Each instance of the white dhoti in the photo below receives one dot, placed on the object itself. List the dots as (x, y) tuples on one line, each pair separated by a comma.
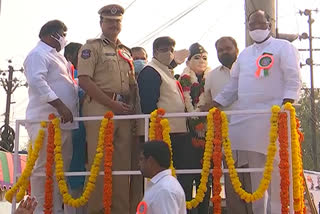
[(250, 134), (38, 183)]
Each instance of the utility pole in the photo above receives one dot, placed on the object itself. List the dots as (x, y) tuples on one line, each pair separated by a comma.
[(9, 84), (309, 61)]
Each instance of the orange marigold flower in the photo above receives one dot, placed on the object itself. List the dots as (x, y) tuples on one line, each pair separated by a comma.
[(108, 115), (161, 111), (199, 127), (51, 116)]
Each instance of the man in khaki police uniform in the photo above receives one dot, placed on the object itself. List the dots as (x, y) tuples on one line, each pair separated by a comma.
[(106, 74)]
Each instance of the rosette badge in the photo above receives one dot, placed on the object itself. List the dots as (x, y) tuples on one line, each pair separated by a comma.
[(264, 63)]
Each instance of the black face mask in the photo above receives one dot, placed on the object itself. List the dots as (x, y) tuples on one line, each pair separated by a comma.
[(227, 60)]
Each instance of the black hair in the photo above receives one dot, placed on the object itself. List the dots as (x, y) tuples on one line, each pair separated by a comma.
[(163, 41), (52, 27), (139, 49), (72, 48), (266, 15), (228, 38), (159, 150)]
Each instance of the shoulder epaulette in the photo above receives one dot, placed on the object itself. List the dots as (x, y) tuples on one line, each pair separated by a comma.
[(93, 40)]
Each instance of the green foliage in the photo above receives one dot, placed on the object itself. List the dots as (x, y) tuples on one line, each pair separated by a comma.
[(304, 115)]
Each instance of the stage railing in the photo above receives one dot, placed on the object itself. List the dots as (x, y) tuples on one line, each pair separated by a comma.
[(146, 128)]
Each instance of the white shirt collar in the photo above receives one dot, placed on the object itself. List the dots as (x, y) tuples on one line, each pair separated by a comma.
[(263, 44), (155, 179), (45, 46), (224, 68)]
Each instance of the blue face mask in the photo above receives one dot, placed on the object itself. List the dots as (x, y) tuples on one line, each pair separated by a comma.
[(138, 65)]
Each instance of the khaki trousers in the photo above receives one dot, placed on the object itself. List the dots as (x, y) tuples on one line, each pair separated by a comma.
[(121, 160)]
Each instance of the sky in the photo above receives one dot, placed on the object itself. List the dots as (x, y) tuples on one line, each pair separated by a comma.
[(143, 21)]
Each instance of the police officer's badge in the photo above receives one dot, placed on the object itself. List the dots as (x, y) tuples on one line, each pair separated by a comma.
[(86, 54), (113, 10)]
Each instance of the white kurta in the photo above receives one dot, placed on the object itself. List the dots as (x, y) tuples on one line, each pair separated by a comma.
[(251, 132), (216, 80)]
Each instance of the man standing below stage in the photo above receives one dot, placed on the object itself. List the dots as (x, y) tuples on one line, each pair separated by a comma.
[(252, 88), (164, 194), (51, 90), (106, 75)]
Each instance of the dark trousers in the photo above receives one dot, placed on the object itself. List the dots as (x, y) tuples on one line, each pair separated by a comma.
[(185, 156)]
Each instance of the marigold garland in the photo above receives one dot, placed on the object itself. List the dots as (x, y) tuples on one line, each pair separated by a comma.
[(297, 168), (94, 171), (216, 160), (23, 181), (155, 128), (166, 138), (265, 181), (284, 163), (208, 148), (107, 185), (155, 117), (48, 196), (193, 92)]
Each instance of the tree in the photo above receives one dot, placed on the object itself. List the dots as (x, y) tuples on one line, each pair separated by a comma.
[(304, 115)]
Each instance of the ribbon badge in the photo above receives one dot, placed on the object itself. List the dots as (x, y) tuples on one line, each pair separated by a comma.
[(127, 57), (142, 208), (264, 63)]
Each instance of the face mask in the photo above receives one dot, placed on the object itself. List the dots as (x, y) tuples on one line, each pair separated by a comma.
[(138, 65), (165, 57), (259, 35), (62, 41), (227, 60)]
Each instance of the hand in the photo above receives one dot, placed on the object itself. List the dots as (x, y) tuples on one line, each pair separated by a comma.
[(119, 107), (210, 105), (65, 113), (287, 100), (26, 206), (180, 56)]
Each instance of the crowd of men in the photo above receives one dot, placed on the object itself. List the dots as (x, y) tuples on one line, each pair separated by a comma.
[(105, 75)]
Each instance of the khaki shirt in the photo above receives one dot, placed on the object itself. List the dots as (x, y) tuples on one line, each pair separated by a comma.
[(101, 60)]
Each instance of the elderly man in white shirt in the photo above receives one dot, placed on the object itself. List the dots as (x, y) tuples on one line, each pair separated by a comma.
[(251, 89), (51, 90), (164, 194)]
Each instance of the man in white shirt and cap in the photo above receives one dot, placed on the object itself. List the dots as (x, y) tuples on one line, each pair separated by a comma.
[(51, 90), (164, 194), (254, 88)]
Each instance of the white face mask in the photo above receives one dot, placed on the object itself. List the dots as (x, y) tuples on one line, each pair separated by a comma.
[(259, 35), (62, 41)]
